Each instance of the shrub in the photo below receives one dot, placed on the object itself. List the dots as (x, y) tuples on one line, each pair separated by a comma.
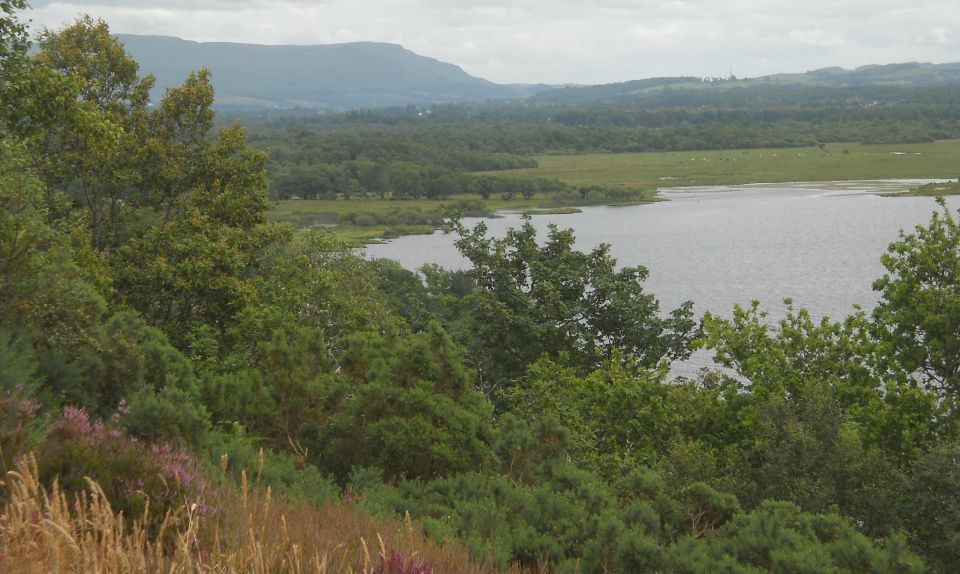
[(365, 220), (131, 474)]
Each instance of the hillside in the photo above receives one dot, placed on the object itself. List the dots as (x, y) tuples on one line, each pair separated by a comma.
[(377, 75), (700, 91), (335, 76)]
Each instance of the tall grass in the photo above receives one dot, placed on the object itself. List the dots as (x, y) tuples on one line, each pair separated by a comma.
[(45, 530)]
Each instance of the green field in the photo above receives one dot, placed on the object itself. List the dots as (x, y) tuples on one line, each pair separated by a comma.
[(835, 162)]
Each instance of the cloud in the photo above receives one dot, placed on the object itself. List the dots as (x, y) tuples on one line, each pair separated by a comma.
[(818, 38), (557, 41), (941, 36)]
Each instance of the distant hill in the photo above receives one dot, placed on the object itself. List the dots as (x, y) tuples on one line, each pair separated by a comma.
[(911, 74), (373, 75), (334, 76), (906, 74)]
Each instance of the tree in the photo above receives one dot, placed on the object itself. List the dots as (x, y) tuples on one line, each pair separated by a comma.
[(175, 156), (93, 154), (843, 358), (919, 311), (930, 507), (105, 74), (618, 415), (193, 266), (552, 299), (14, 39), (404, 404)]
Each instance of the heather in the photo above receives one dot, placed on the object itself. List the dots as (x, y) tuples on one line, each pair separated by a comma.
[(186, 385)]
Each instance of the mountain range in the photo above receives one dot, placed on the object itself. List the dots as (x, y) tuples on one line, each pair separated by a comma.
[(333, 76), (372, 74)]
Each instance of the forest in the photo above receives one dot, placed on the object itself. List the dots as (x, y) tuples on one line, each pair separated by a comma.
[(436, 158), (188, 386), (443, 150)]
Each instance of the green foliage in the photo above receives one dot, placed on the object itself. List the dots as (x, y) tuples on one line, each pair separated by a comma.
[(806, 452), (778, 537), (617, 416), (18, 365), (554, 300), (404, 404), (19, 387), (192, 268), (778, 358), (843, 359), (13, 34), (286, 473), (929, 506), (105, 75), (31, 248), (404, 293), (919, 310), (91, 153), (506, 521), (24, 231)]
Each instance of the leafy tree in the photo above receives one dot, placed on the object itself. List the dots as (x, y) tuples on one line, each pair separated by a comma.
[(193, 268), (14, 43), (12, 32), (842, 358), (44, 292), (93, 154), (106, 76), (919, 311), (25, 236), (617, 415), (804, 450), (552, 299)]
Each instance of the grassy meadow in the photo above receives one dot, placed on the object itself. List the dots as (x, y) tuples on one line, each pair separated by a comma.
[(848, 161), (651, 170)]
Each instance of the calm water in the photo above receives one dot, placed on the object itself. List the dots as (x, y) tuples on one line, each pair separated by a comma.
[(819, 244)]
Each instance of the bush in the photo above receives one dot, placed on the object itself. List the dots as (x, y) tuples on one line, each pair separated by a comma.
[(365, 220), (132, 474)]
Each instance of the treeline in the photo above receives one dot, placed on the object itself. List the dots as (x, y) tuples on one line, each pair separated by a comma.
[(387, 164), (437, 152), (159, 336)]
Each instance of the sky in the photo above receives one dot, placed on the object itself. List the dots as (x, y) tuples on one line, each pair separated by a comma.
[(565, 41)]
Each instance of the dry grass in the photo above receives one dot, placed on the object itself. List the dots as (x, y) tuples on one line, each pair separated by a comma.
[(46, 531)]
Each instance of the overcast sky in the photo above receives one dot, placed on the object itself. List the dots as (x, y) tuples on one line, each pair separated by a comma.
[(558, 41)]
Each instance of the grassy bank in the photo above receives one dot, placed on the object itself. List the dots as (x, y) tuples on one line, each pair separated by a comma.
[(362, 220), (935, 189), (359, 221)]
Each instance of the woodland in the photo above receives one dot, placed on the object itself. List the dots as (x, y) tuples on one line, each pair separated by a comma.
[(186, 385)]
